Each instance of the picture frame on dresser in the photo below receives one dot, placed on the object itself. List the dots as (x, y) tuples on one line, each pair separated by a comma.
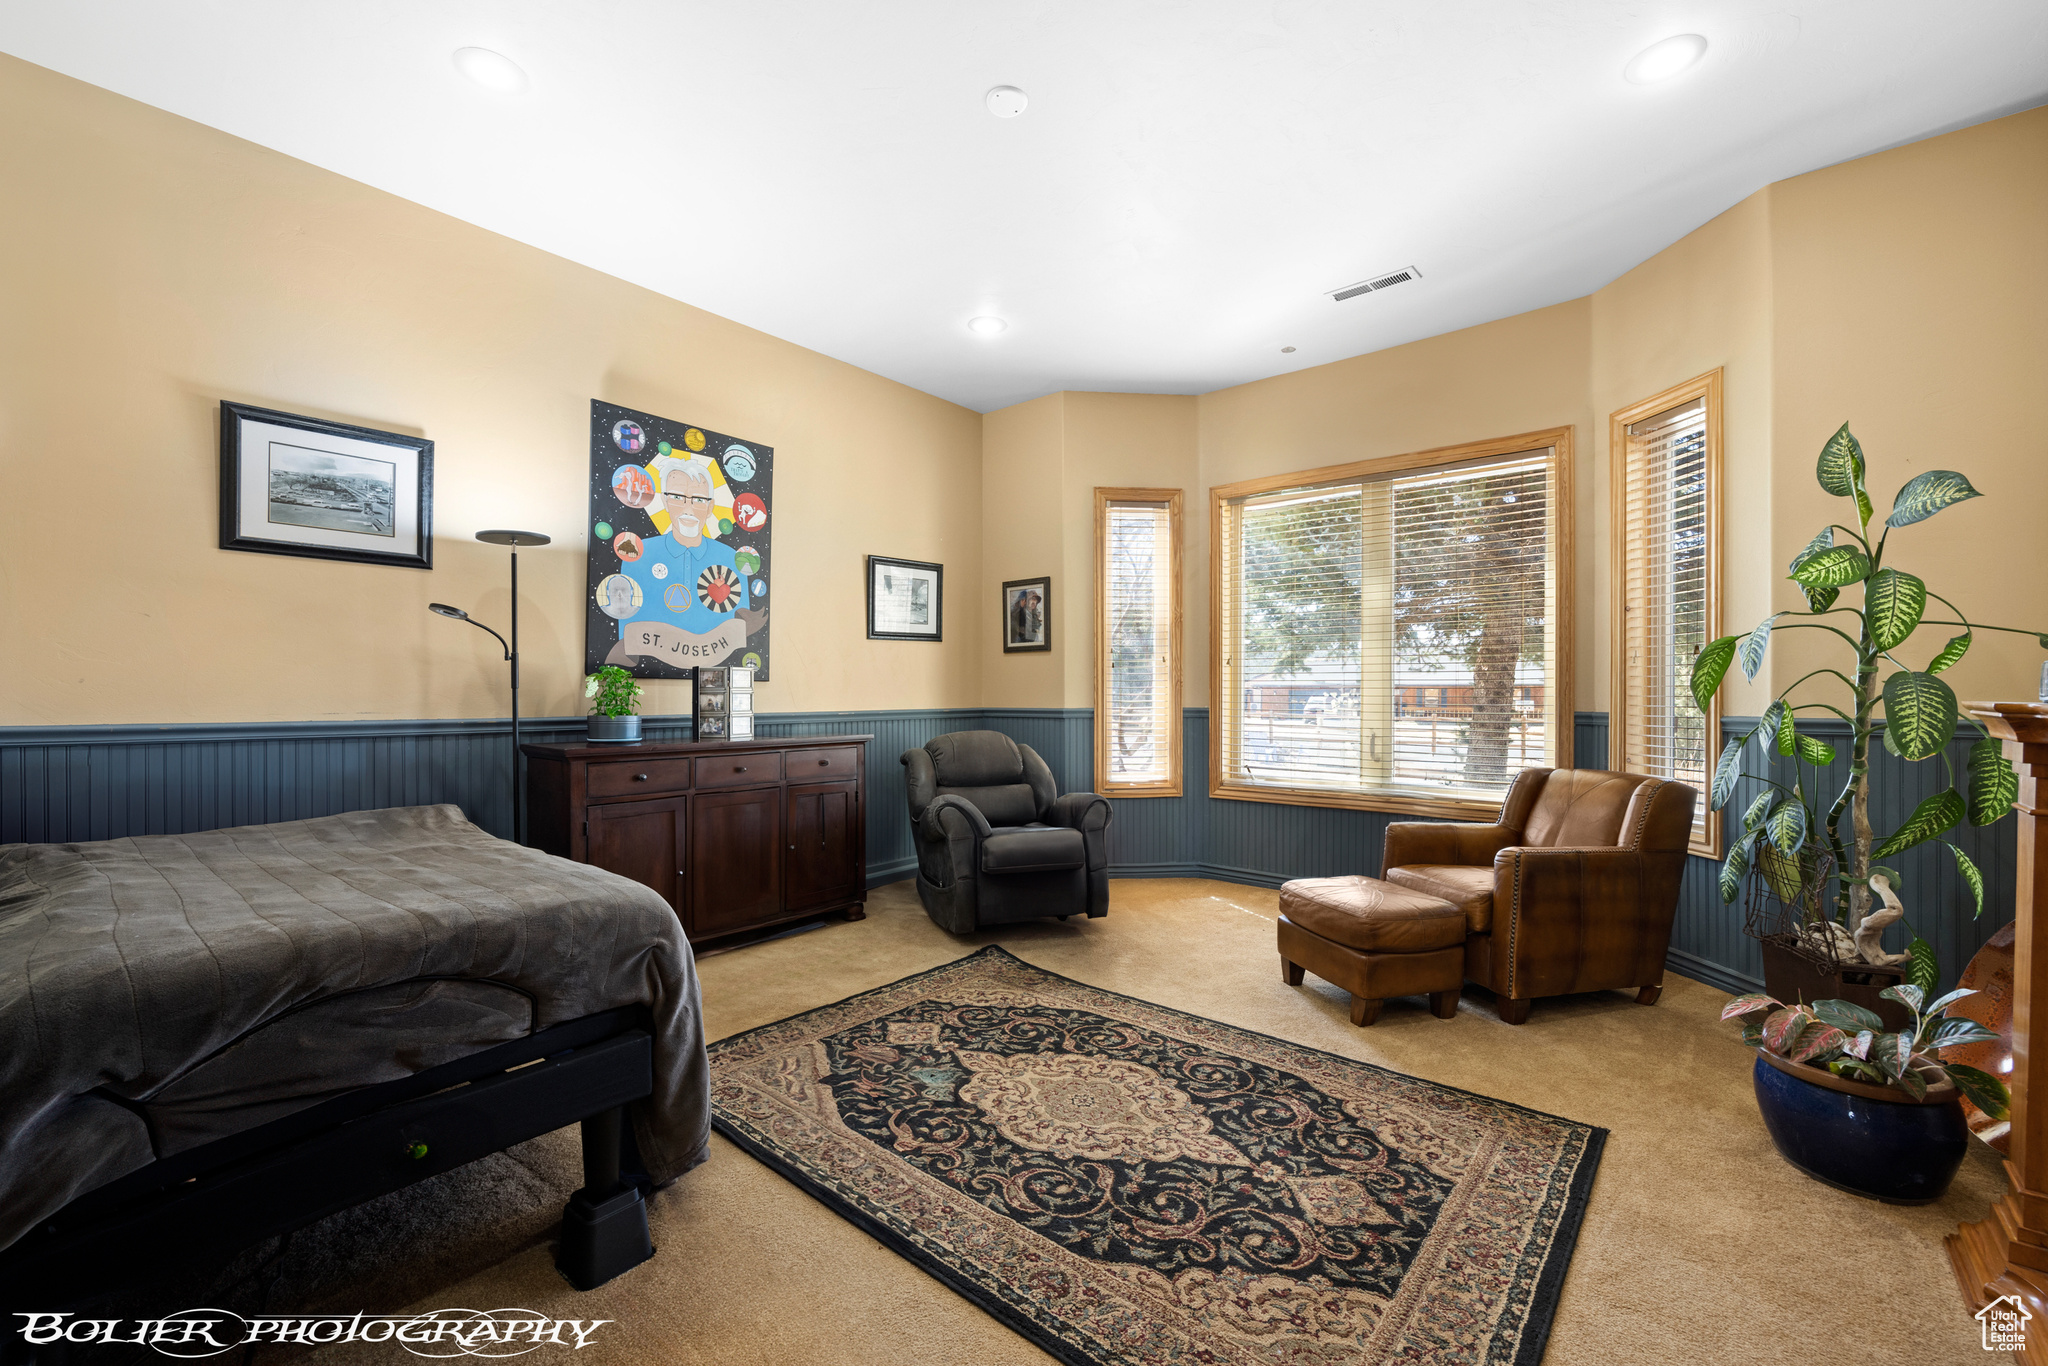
[(324, 490)]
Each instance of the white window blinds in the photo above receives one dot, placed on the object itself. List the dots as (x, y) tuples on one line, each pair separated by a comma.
[(1138, 709), (1390, 637), (1664, 599)]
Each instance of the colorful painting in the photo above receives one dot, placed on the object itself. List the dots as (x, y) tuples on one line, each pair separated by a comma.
[(672, 584)]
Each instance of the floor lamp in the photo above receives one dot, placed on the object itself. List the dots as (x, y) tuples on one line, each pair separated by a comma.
[(514, 539)]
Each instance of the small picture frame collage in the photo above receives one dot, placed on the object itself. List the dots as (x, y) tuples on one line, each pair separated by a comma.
[(725, 703)]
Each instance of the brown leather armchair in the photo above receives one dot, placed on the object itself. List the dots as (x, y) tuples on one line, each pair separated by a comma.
[(1572, 889)]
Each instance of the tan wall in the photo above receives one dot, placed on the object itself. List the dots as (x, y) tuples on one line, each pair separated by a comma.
[(1519, 374), (1700, 304), (150, 267), (1912, 303), (1023, 470)]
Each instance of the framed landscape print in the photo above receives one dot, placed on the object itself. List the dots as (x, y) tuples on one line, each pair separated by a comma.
[(292, 485), (1027, 615), (906, 599), (680, 550)]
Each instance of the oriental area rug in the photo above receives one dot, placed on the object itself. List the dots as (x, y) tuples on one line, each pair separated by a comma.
[(1125, 1183)]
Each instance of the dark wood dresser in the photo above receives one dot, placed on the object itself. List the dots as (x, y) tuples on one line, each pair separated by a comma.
[(737, 835)]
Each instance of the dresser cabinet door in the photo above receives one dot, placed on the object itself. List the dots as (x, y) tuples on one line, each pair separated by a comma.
[(645, 841), (824, 820), (736, 860)]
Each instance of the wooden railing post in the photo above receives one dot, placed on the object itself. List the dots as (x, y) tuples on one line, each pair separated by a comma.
[(2006, 1252)]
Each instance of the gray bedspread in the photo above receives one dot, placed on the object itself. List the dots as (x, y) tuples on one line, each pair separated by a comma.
[(137, 977)]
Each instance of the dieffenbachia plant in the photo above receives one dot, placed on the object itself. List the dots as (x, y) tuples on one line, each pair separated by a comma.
[(1852, 1042), (1920, 712)]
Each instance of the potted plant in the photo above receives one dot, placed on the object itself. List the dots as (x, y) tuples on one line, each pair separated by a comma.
[(1824, 866), (614, 697), (1873, 1112)]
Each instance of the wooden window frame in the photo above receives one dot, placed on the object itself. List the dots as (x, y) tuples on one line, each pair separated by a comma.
[(1176, 532), (1707, 387), (1224, 688)]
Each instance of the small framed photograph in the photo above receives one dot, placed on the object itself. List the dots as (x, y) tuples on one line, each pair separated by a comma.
[(906, 599), (737, 702), (739, 678), (292, 485), (1027, 615), (711, 727), (742, 726), (710, 678), (711, 704)]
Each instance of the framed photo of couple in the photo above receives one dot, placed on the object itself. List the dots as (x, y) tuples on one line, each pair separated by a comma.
[(1027, 615)]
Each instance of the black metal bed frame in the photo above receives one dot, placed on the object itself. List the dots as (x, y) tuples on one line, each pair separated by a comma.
[(219, 1198)]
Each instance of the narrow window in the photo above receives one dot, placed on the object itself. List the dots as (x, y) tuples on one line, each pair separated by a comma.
[(1666, 457), (1138, 676), (1416, 601)]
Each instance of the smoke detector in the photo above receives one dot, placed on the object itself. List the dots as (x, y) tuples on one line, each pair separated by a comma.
[(1384, 281)]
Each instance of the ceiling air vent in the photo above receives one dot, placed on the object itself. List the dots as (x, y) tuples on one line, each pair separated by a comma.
[(1386, 281)]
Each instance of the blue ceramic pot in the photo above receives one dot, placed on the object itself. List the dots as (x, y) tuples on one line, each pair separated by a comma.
[(614, 730), (1899, 1151)]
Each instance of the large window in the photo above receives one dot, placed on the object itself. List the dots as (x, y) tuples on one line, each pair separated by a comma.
[(1137, 694), (1666, 457), (1393, 634)]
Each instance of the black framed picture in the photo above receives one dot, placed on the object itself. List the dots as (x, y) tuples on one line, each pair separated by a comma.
[(292, 485), (906, 599), (1027, 615), (681, 547)]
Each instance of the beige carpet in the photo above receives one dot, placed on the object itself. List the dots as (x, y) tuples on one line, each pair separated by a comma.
[(1700, 1245)]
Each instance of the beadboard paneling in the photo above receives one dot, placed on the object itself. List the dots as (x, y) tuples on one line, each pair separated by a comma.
[(62, 784)]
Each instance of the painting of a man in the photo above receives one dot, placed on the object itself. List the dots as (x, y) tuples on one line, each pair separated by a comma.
[(687, 577), (675, 583), (1026, 613)]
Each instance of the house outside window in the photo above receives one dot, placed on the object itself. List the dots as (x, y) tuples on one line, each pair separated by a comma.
[(1417, 601)]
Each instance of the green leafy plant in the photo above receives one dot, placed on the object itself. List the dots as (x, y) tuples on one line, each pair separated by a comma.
[(612, 692), (1783, 826), (1852, 1042)]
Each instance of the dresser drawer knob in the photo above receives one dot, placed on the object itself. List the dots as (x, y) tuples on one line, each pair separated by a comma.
[(738, 769), (639, 777), (824, 763)]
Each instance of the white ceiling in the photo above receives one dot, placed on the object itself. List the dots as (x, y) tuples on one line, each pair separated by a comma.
[(1189, 179)]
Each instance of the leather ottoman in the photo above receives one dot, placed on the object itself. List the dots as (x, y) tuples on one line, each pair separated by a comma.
[(1373, 939)]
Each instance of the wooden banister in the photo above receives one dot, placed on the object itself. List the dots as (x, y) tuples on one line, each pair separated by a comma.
[(2006, 1252)]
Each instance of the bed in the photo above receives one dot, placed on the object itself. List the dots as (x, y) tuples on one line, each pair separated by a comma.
[(211, 1038)]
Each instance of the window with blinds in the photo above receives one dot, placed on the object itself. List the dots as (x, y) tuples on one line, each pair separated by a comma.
[(1138, 683), (1388, 632), (1666, 470)]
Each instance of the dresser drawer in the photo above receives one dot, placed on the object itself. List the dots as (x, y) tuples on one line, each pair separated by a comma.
[(740, 770), (840, 761), (638, 777)]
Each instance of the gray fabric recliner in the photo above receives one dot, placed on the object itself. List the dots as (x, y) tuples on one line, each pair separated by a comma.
[(995, 842)]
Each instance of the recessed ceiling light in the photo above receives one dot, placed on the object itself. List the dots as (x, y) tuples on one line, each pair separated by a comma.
[(1662, 61), (491, 70), (986, 326), (1007, 101), (1286, 350)]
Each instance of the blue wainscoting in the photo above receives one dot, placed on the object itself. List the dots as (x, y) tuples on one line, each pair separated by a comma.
[(1707, 940), (70, 783), (60, 784)]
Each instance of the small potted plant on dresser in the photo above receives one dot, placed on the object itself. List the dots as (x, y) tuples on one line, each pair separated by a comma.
[(614, 697), (1868, 1111)]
